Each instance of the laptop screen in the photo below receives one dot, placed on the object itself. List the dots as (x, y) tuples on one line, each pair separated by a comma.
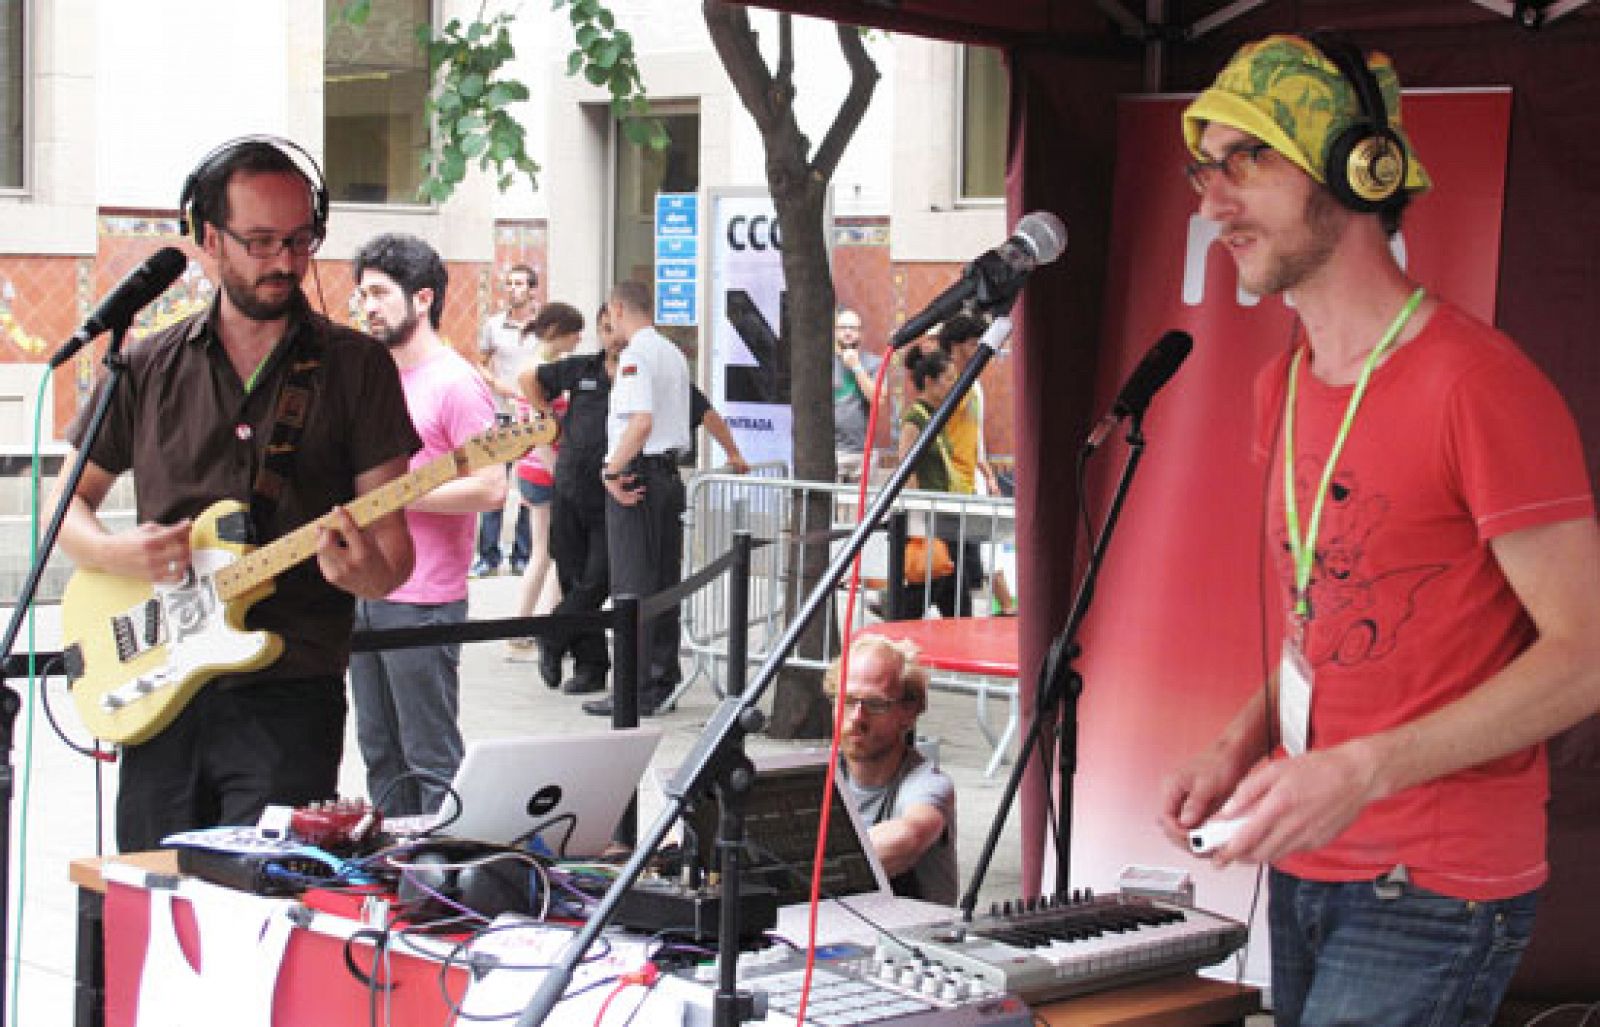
[(783, 814)]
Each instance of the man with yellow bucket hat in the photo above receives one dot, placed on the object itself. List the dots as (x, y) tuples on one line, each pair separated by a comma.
[(1432, 526)]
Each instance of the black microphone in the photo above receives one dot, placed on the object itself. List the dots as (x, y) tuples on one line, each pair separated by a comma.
[(143, 284), (1154, 371), (996, 276)]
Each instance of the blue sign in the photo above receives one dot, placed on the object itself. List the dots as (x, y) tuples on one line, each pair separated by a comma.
[(677, 303), (677, 237)]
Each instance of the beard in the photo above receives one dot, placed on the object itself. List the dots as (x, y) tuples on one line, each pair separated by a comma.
[(394, 336), (1313, 243), (246, 295)]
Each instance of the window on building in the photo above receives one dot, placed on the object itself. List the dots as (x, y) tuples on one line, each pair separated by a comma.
[(639, 174), (374, 122), (985, 107), (13, 93)]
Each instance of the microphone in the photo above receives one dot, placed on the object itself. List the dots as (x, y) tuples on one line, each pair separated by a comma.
[(995, 277), (143, 284), (1154, 371)]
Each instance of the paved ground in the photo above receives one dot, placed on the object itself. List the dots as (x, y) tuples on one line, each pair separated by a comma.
[(65, 795)]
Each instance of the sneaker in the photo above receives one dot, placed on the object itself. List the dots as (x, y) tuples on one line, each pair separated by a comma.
[(517, 568), (483, 569)]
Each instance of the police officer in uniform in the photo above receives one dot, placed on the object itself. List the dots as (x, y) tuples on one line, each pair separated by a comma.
[(647, 432)]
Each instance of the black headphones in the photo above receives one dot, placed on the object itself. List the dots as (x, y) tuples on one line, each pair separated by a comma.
[(195, 208), (1366, 163)]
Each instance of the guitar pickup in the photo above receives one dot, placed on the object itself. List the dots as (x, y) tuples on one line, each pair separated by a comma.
[(237, 527), (127, 643), (152, 624)]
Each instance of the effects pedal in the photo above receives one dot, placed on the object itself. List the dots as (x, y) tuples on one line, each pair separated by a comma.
[(341, 826)]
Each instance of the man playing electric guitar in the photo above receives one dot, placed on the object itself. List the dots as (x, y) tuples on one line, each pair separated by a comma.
[(193, 420)]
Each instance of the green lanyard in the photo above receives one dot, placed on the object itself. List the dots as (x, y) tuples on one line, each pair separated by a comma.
[(1303, 550)]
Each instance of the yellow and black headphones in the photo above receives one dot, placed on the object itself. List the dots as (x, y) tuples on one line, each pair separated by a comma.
[(197, 203), (1365, 166)]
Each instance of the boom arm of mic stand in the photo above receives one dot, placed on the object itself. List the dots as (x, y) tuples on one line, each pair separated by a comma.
[(727, 723), (1058, 680)]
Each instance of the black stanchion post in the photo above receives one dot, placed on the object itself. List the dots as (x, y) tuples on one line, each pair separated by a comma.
[(739, 613), (893, 592), (626, 638)]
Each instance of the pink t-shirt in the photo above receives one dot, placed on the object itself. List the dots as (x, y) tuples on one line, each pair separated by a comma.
[(449, 403), (1459, 439)]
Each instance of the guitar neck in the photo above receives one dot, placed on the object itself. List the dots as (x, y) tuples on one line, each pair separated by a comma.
[(266, 563)]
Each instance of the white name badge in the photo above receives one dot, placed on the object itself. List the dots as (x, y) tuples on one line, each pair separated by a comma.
[(1294, 699)]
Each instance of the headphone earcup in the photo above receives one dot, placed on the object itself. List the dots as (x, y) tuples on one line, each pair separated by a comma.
[(1366, 168)]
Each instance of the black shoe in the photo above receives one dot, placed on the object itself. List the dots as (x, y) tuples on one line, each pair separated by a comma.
[(584, 682), (550, 666), (649, 705)]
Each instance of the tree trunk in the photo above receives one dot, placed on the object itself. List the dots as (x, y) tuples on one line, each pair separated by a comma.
[(799, 186)]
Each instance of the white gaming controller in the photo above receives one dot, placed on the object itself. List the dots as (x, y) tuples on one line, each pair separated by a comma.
[(1212, 835)]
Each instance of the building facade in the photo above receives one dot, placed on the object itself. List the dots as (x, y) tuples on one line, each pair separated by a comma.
[(106, 107)]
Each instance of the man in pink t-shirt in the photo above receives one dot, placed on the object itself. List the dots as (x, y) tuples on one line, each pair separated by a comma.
[(1433, 529), (407, 699)]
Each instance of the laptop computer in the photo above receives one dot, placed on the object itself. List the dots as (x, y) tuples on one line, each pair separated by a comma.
[(568, 790), (783, 814)]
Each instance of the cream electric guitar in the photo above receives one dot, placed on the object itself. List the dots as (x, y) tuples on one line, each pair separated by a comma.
[(137, 652)]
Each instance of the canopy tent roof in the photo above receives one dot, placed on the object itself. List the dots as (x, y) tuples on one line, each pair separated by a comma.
[(1107, 25)]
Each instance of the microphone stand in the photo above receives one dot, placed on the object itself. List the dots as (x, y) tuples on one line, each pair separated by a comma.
[(10, 701), (717, 754), (1060, 685)]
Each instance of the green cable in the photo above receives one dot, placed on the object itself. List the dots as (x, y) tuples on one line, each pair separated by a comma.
[(26, 791)]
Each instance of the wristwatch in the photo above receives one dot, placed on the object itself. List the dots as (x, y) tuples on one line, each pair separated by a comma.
[(606, 475)]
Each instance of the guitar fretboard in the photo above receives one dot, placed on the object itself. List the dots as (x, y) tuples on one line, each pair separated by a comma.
[(493, 447)]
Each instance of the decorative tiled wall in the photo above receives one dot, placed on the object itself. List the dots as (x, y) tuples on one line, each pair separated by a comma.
[(885, 294), (44, 299)]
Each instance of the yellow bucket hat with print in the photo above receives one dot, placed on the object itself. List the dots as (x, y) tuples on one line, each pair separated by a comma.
[(1287, 93)]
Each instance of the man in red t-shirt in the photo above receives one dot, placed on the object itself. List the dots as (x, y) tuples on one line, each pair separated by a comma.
[(1438, 557)]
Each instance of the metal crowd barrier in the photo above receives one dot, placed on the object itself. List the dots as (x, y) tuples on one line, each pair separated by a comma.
[(795, 515)]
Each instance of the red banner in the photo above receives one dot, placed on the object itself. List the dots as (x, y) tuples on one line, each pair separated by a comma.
[(1178, 637)]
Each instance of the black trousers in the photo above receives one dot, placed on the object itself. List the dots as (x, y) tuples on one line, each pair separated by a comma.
[(646, 547), (578, 542), (233, 750)]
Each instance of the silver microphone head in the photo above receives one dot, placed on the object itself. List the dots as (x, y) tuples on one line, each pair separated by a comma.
[(1044, 235)]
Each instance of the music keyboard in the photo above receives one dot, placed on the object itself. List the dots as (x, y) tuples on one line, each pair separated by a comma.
[(1054, 949)]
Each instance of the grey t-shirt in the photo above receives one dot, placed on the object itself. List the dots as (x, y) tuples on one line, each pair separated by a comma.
[(934, 877), (850, 406)]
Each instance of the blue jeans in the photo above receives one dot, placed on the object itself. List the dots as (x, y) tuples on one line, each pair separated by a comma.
[(1391, 954), (489, 528)]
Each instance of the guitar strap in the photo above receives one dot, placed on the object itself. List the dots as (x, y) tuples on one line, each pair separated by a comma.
[(295, 396)]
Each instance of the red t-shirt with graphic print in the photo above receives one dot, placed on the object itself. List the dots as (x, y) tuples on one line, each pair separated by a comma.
[(1459, 439)]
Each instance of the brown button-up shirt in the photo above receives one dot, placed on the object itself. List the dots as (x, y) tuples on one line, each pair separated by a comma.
[(185, 425)]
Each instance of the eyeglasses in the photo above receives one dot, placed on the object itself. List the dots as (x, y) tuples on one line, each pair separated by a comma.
[(873, 705), (1239, 166), (302, 242)]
